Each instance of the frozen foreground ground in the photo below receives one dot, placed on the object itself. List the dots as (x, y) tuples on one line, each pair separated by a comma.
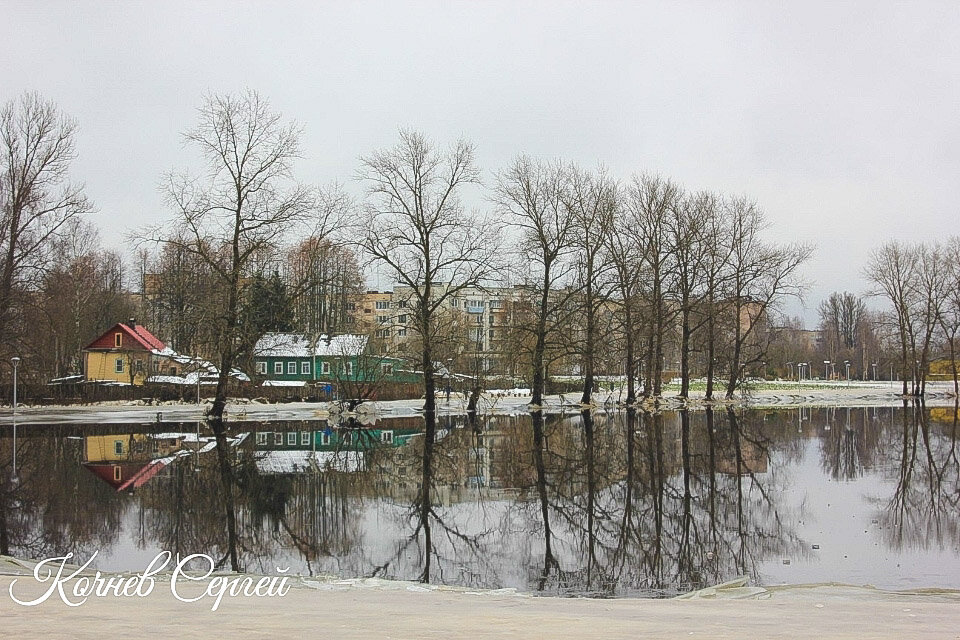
[(511, 401), (318, 608)]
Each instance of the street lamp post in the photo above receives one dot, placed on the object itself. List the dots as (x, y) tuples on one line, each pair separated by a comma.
[(846, 363), (874, 365), (826, 366), (790, 364)]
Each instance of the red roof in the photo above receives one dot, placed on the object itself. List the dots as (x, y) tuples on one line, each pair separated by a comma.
[(105, 471), (135, 336)]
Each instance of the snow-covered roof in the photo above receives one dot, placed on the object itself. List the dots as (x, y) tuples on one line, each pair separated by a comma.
[(298, 461), (284, 383), (297, 345)]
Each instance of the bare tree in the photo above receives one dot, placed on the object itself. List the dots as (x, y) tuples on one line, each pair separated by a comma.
[(688, 227), (893, 270), (415, 225), (649, 201), (239, 211), (591, 200), (761, 275), (36, 197), (531, 194), (950, 314)]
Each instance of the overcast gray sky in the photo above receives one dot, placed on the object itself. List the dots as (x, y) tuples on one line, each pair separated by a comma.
[(840, 119)]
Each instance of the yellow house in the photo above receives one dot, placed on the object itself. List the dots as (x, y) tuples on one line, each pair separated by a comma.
[(124, 353)]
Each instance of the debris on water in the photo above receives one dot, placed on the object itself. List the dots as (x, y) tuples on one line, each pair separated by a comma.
[(816, 546), (786, 561)]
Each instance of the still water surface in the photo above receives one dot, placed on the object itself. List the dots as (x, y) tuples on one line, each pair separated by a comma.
[(601, 504)]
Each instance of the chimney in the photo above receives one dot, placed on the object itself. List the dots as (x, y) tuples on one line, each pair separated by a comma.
[(132, 323)]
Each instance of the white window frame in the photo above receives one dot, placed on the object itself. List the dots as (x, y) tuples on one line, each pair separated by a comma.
[(277, 438), (386, 437), (325, 439), (118, 365), (304, 437), (291, 438), (262, 367), (291, 368), (278, 368), (305, 368), (261, 437), (325, 368)]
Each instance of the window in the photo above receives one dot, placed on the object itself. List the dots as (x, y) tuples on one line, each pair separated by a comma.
[(262, 368), (118, 365), (277, 438), (118, 339), (351, 306), (383, 304), (304, 437), (346, 439), (139, 366), (454, 302), (349, 368), (325, 438), (495, 304), (368, 310), (383, 319), (386, 437), (118, 447), (117, 474), (383, 333), (401, 304), (402, 318), (305, 368), (325, 368), (491, 334), (402, 333), (292, 438), (387, 369), (278, 368), (291, 368), (261, 437)]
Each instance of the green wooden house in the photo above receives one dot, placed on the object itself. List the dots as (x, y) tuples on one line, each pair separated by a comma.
[(291, 359)]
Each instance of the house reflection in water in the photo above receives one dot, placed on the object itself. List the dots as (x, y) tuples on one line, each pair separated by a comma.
[(128, 461), (343, 447)]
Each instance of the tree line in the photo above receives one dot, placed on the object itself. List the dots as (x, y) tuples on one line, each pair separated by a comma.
[(637, 277)]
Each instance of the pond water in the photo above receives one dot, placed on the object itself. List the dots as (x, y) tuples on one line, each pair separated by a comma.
[(595, 504)]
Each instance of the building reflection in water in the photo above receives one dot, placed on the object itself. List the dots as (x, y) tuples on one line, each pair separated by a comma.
[(587, 503)]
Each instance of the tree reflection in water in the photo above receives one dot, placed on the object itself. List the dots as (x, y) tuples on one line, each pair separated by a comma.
[(588, 503)]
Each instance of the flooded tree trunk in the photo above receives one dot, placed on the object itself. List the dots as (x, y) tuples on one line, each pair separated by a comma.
[(685, 332), (685, 566), (587, 418), (631, 359), (226, 479), (549, 562), (711, 353), (429, 437)]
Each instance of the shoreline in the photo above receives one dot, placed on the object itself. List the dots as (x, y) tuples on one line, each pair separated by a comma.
[(784, 396), (375, 608)]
